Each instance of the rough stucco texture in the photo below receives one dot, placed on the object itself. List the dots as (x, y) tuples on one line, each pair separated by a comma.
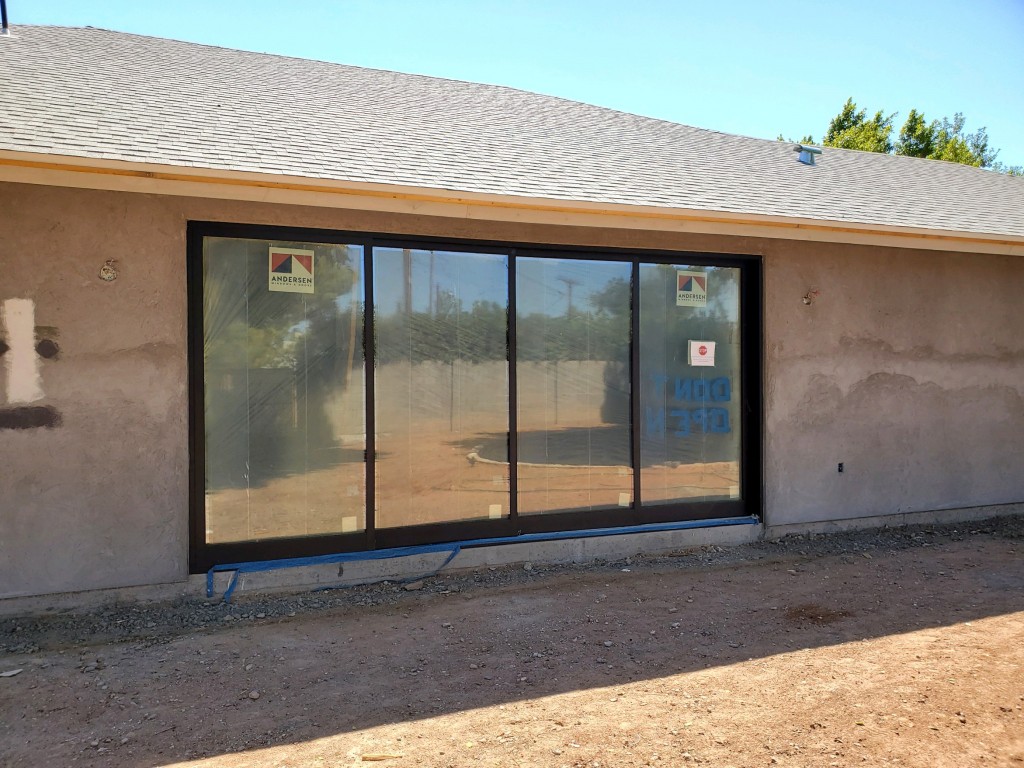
[(908, 367), (98, 500)]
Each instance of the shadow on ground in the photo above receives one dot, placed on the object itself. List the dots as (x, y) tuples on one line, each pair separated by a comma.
[(353, 660)]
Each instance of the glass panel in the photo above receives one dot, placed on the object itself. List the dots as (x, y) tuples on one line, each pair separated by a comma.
[(572, 374), (441, 386), (284, 389), (689, 383)]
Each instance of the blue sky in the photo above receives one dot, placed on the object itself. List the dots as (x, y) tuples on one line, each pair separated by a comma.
[(752, 67)]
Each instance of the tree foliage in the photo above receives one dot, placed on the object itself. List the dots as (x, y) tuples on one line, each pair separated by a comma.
[(943, 139), (852, 129)]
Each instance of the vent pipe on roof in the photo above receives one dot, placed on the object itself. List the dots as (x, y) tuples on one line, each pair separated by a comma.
[(807, 153), (3, 18)]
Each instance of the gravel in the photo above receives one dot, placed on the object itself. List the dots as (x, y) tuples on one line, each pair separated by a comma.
[(155, 623)]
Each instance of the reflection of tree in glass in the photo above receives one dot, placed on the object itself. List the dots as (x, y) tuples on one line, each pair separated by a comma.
[(266, 328), (273, 360), (613, 299), (448, 333), (592, 334)]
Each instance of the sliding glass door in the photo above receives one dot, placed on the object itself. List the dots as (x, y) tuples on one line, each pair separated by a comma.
[(441, 382), (690, 383), (354, 391), (283, 422), (572, 370)]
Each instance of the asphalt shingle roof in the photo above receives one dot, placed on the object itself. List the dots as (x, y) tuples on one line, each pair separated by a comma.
[(94, 93)]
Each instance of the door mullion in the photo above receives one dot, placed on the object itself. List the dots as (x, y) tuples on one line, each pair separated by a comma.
[(369, 367), (634, 380), (513, 397)]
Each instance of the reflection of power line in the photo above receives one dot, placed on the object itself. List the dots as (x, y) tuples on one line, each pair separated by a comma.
[(569, 283)]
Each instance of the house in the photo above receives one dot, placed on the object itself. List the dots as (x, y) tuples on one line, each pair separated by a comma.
[(258, 307)]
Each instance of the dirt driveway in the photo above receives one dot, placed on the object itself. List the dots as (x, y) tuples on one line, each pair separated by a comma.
[(882, 648)]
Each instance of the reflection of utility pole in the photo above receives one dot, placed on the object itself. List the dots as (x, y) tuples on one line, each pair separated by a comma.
[(407, 273), (569, 283), (556, 390), (433, 305)]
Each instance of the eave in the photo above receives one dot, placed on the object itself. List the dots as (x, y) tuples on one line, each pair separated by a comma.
[(151, 178)]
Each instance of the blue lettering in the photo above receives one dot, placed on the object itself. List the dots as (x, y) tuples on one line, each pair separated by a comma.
[(717, 390), (654, 421), (700, 390), (684, 390), (699, 416), (718, 420), (682, 421), (688, 421), (721, 389)]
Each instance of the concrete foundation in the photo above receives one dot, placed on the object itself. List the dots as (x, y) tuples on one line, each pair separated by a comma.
[(308, 578), (934, 517), (559, 551)]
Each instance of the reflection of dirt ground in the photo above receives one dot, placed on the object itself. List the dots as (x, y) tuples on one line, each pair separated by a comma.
[(442, 453), (430, 477), (307, 504)]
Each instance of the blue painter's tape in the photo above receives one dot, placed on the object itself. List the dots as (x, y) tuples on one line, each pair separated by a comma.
[(453, 548)]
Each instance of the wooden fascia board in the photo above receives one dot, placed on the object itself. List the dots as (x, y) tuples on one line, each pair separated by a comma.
[(90, 173)]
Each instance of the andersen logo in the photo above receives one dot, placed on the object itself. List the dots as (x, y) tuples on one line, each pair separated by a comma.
[(691, 289), (695, 285), (291, 270)]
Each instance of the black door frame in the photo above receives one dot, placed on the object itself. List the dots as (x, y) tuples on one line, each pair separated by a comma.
[(202, 555)]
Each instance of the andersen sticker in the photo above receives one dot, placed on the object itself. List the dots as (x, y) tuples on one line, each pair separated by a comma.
[(291, 270), (691, 289)]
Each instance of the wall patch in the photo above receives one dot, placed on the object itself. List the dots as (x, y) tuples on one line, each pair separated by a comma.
[(21, 352)]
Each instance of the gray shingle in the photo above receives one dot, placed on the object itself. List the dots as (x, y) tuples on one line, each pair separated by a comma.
[(98, 94)]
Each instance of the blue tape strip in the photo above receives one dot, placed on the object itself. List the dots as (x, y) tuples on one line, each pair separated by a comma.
[(340, 557), (454, 548)]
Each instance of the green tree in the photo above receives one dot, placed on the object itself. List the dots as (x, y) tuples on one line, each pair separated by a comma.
[(917, 138), (943, 139), (851, 129)]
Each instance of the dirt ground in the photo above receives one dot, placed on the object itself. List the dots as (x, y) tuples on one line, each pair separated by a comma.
[(901, 647)]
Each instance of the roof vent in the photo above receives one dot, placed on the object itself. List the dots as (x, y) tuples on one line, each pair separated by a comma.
[(3, 18), (807, 153)]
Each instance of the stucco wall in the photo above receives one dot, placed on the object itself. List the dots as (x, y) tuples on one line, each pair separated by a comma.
[(908, 367), (97, 500)]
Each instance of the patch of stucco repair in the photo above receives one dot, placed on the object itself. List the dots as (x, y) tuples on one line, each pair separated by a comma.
[(902, 445), (22, 345), (24, 383)]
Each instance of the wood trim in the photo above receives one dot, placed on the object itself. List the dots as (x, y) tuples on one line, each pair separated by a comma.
[(267, 188)]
